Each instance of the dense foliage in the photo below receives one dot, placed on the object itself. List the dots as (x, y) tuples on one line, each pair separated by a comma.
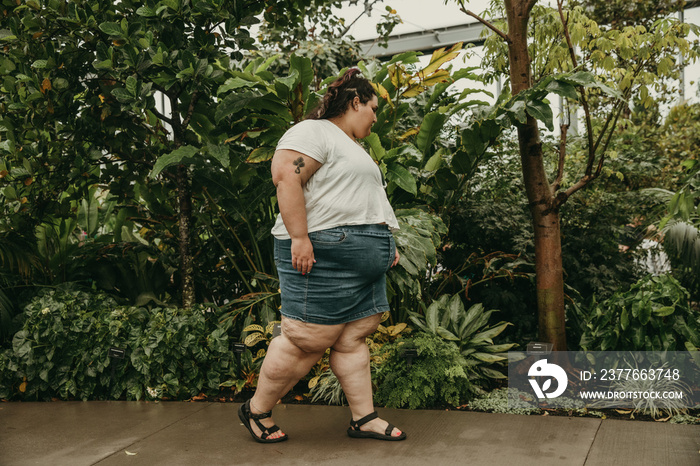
[(439, 375), (135, 142), (653, 315), (63, 351)]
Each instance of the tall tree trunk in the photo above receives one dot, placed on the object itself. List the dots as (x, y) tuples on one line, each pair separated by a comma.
[(545, 219), (184, 196), (184, 201)]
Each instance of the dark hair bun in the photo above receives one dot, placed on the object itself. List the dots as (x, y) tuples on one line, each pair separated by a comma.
[(340, 94)]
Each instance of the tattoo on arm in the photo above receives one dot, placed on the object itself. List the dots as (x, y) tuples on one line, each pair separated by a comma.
[(299, 164)]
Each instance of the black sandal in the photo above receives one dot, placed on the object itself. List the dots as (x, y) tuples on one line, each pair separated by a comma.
[(354, 430), (245, 415)]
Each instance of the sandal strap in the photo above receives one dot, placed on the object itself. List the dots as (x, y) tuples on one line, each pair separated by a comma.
[(389, 429), (252, 415), (260, 416), (360, 422), (265, 432)]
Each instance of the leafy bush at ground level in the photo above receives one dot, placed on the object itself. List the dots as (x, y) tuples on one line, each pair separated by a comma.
[(653, 315), (438, 375), (471, 331), (62, 350)]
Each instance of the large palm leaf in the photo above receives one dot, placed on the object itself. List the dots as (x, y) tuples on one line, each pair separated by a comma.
[(682, 240)]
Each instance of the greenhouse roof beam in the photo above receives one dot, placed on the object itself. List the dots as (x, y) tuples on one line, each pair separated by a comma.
[(424, 40), (431, 39)]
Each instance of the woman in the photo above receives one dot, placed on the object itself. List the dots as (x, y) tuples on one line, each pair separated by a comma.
[(333, 247)]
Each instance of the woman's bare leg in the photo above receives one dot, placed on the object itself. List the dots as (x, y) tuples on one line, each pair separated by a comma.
[(289, 357), (350, 363)]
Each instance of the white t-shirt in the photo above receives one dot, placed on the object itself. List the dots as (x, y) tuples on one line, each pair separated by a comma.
[(347, 189)]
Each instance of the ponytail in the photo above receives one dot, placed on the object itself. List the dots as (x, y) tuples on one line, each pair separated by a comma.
[(340, 93)]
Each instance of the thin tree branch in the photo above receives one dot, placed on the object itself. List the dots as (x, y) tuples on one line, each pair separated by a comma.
[(565, 23), (589, 168), (613, 118), (581, 90), (626, 96), (176, 123), (562, 196), (607, 141), (588, 178), (190, 109), (562, 156), (168, 120), (368, 8), (503, 35), (589, 127)]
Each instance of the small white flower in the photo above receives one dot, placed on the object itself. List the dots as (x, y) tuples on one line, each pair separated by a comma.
[(45, 311), (153, 392)]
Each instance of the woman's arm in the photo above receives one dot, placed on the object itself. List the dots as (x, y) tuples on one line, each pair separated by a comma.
[(290, 172)]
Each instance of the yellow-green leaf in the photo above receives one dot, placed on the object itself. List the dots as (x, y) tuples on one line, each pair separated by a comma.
[(314, 381), (440, 76), (253, 339), (439, 57), (254, 327), (383, 93), (488, 357), (261, 154), (396, 329), (664, 311), (410, 132)]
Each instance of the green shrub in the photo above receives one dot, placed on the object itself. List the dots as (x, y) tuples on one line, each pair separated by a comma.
[(653, 315), (438, 376), (471, 331), (62, 351)]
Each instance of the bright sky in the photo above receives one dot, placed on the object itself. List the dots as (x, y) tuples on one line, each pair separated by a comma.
[(420, 15), (417, 15)]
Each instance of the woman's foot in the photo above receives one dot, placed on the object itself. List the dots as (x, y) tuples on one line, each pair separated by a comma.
[(267, 422), (379, 426), (371, 426), (260, 425)]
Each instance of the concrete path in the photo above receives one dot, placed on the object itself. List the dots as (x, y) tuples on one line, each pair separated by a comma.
[(178, 433)]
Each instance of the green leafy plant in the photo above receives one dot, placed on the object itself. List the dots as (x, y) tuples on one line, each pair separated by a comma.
[(653, 315), (499, 401), (471, 331), (681, 228), (439, 374), (62, 350), (253, 335), (417, 240), (258, 333)]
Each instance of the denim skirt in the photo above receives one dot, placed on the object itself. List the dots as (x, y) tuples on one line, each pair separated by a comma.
[(348, 280)]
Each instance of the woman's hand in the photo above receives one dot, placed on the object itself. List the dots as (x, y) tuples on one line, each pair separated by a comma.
[(302, 255), (397, 257)]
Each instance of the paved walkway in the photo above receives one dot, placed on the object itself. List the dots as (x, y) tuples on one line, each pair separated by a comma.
[(179, 433)]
